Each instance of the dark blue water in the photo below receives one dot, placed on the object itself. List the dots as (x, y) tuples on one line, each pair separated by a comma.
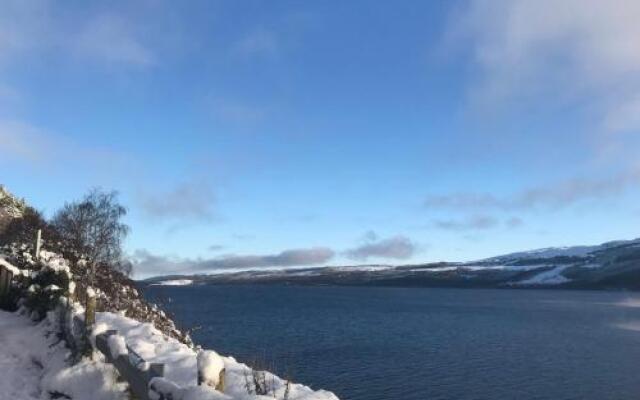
[(416, 344)]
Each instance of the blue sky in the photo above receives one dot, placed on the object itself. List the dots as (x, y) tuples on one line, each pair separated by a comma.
[(250, 134)]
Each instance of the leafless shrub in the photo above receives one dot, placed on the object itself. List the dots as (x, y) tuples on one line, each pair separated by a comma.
[(93, 227), (258, 381)]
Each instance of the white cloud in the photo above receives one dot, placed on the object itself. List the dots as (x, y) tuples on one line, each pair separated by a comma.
[(476, 222), (20, 141), (396, 247), (187, 201), (238, 112), (23, 23), (23, 145), (149, 264), (260, 42), (36, 27), (554, 196), (551, 50), (111, 39)]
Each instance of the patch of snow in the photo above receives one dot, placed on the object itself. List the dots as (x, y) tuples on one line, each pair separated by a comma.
[(209, 366), (437, 269), (175, 282), (181, 363), (548, 252), (551, 277), (590, 265), (363, 268), (117, 346), (55, 262), (52, 288), (34, 365)]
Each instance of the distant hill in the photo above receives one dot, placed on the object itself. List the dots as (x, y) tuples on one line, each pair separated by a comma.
[(611, 265)]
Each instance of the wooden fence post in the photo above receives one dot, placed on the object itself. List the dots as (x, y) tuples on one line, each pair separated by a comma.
[(90, 311), (133, 369), (89, 320), (5, 282), (36, 250), (220, 385)]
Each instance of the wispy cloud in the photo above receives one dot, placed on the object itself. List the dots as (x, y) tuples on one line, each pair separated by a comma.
[(238, 112), (112, 39), (22, 25), (260, 42), (19, 140), (559, 195), (565, 50), (476, 223), (194, 201), (22, 143), (150, 264), (396, 247)]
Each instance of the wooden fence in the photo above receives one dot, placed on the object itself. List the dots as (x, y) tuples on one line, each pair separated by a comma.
[(76, 331), (135, 370), (5, 282), (6, 274)]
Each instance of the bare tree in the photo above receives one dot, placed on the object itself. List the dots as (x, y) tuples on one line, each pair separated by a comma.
[(93, 227)]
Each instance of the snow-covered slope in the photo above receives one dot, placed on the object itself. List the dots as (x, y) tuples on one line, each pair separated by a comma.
[(609, 265), (181, 362), (567, 251), (34, 365)]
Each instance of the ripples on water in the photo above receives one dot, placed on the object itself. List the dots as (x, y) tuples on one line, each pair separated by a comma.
[(416, 344)]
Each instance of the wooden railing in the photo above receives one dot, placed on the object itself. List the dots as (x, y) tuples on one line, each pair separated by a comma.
[(131, 367), (146, 380), (5, 282)]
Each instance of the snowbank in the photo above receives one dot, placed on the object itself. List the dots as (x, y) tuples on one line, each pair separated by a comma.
[(34, 364), (551, 277), (210, 364), (175, 282), (181, 363)]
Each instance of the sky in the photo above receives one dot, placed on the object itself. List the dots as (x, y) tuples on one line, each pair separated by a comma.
[(253, 134)]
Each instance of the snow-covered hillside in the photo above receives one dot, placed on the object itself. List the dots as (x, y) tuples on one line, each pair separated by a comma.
[(609, 265), (50, 287), (181, 362), (566, 251), (34, 365)]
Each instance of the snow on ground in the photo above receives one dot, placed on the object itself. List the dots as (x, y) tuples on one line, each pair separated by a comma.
[(181, 361), (175, 282), (503, 267), (473, 268), (33, 365), (551, 277), (435, 269), (549, 252)]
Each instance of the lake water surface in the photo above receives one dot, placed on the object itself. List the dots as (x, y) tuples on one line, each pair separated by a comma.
[(369, 343)]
